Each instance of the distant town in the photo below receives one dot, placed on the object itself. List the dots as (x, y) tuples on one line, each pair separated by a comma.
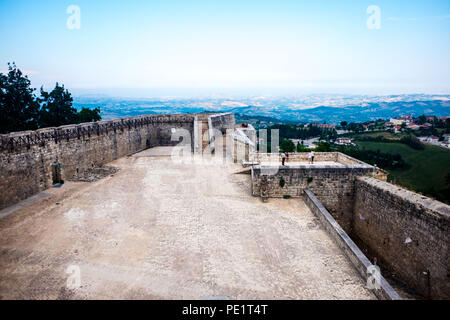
[(427, 128)]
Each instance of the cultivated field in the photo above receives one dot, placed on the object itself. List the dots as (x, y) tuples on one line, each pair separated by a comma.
[(426, 169)]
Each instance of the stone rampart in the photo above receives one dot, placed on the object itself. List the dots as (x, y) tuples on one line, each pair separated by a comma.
[(333, 184), (32, 161), (407, 233)]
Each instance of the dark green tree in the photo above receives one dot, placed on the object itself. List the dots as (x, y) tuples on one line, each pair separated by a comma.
[(421, 120), (323, 147), (434, 131), (57, 109), (355, 127), (301, 148), (447, 178), (287, 145), (89, 115), (413, 142), (19, 107)]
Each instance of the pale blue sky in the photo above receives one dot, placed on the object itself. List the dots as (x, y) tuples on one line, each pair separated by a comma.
[(315, 45)]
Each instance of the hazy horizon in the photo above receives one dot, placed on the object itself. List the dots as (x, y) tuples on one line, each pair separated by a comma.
[(236, 93)]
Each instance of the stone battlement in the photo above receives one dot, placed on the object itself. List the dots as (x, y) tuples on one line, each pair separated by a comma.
[(17, 140), (32, 161), (407, 233), (336, 157)]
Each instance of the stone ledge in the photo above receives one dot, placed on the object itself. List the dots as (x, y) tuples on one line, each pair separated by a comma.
[(153, 118), (356, 256), (428, 205), (339, 166)]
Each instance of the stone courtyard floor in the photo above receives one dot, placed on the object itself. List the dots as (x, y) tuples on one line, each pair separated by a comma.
[(158, 229)]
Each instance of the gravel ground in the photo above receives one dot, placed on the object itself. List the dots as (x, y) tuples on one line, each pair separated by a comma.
[(158, 229)]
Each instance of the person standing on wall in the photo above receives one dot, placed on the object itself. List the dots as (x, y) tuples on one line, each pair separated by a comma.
[(283, 158), (287, 156), (312, 157)]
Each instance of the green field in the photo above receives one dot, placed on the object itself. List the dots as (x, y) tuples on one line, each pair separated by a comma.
[(426, 169), (384, 134)]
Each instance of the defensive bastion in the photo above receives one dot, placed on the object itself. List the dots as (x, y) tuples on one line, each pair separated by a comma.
[(406, 233), (32, 161)]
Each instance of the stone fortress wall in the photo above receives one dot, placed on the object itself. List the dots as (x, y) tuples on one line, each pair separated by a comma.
[(218, 125), (303, 157), (218, 133), (222, 121), (332, 183), (407, 233), (30, 160), (208, 125)]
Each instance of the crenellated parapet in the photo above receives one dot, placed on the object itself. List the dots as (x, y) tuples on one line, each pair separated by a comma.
[(32, 161), (26, 139)]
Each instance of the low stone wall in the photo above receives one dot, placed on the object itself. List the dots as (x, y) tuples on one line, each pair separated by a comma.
[(293, 157), (345, 159), (27, 159), (407, 233), (352, 251), (303, 157), (381, 174), (333, 185)]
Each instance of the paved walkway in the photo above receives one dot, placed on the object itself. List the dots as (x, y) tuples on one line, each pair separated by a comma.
[(164, 230)]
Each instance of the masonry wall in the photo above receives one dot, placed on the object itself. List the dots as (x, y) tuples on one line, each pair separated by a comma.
[(352, 251), (26, 158), (294, 157), (223, 121), (218, 125), (243, 142), (303, 157), (407, 233), (332, 185), (206, 123)]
